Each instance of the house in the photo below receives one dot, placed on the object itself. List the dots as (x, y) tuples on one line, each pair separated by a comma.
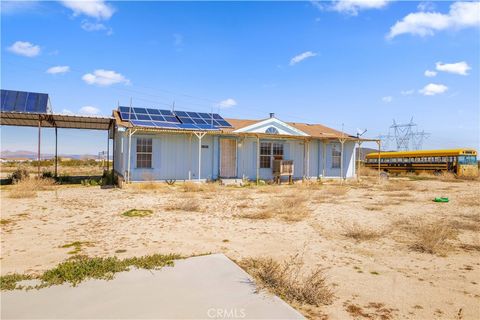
[(157, 145)]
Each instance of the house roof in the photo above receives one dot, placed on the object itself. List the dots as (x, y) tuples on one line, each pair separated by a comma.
[(313, 130)]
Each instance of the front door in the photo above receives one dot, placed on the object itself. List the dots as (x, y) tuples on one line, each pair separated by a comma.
[(228, 157)]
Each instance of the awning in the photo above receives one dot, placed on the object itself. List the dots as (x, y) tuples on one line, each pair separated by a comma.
[(55, 120)]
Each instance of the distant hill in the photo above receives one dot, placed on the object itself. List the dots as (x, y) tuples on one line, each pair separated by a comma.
[(7, 154), (363, 152)]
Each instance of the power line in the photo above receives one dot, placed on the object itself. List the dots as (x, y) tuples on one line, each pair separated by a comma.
[(140, 95)]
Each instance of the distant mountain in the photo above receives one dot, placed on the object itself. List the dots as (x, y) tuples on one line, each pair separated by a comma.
[(363, 152), (6, 154)]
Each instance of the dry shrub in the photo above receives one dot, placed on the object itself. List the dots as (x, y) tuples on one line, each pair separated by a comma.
[(362, 233), (149, 185), (190, 186), (373, 207), (367, 172), (433, 237), (184, 205), (289, 281), (257, 215), (27, 188), (335, 190), (447, 176), (291, 207), (309, 185)]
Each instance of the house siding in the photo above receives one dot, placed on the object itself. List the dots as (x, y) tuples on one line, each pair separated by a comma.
[(174, 156)]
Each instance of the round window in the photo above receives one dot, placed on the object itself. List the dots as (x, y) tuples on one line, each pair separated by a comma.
[(271, 130)]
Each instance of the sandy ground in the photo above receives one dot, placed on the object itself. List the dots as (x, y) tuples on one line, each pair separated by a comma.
[(382, 276)]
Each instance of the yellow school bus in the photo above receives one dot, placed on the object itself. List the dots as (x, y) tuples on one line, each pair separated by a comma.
[(461, 162)]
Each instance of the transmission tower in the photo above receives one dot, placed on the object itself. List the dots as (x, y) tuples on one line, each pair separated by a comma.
[(405, 137)]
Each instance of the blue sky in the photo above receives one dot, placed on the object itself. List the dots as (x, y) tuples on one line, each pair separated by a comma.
[(360, 64)]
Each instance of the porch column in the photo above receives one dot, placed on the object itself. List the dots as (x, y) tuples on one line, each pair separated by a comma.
[(258, 158), (324, 155), (359, 158), (342, 142), (108, 150), (130, 134), (200, 135)]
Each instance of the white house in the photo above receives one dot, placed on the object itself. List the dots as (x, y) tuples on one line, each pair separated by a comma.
[(177, 149)]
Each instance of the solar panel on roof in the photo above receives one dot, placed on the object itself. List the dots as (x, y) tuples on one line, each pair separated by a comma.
[(202, 118), (21, 101), (146, 117)]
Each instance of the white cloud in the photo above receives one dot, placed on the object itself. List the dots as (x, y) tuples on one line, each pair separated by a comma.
[(426, 6), (66, 111), (95, 26), (352, 7), (458, 68), (432, 89), (227, 103), (430, 73), (302, 56), (103, 77), (387, 99), (93, 8), (25, 48), (58, 69), (461, 15), (407, 92), (89, 110)]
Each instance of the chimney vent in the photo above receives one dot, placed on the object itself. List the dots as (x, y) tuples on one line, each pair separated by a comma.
[(272, 115)]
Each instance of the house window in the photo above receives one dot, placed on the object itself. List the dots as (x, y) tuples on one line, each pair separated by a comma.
[(336, 156), (271, 130), (144, 152), (270, 151)]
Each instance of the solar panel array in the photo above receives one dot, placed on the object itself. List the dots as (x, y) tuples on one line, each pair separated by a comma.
[(166, 119), (20, 101)]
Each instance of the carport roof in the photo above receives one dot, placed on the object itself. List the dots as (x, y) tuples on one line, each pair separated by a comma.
[(53, 120)]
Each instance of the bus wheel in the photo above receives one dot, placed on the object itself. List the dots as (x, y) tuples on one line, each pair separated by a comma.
[(384, 175), (437, 173)]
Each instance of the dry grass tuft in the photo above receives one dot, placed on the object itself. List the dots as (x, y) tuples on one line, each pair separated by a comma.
[(362, 233), (27, 188), (432, 238), (335, 190), (257, 215), (367, 172), (288, 281), (190, 186), (184, 205), (290, 207)]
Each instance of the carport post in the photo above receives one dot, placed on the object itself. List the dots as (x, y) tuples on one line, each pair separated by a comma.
[(39, 139), (56, 154)]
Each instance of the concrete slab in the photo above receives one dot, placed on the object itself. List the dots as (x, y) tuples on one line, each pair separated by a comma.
[(205, 287)]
